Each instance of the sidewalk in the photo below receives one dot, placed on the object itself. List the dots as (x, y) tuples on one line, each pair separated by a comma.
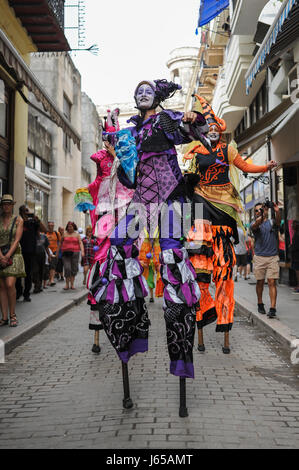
[(54, 302), (44, 307), (285, 328)]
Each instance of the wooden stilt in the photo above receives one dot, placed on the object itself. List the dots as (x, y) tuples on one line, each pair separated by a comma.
[(201, 346), (183, 412), (226, 348), (127, 402), (96, 347)]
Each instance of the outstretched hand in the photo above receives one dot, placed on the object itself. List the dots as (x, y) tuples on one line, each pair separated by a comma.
[(271, 164), (190, 117)]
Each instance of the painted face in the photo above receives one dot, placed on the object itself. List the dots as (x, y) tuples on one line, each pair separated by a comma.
[(214, 134), (145, 96)]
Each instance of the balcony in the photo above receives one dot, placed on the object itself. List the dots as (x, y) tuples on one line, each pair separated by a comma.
[(245, 15), (222, 107), (238, 59), (43, 21)]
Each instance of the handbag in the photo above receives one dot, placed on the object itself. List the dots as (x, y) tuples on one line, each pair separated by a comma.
[(5, 248)]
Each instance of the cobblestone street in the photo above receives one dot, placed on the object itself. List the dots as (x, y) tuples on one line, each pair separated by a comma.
[(55, 393)]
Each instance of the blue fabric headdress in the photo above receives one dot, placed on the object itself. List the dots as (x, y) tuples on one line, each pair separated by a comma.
[(126, 152)]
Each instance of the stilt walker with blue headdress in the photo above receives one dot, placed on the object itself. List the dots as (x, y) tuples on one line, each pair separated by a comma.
[(149, 165)]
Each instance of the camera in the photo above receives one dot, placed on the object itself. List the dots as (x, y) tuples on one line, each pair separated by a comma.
[(269, 204), (30, 216)]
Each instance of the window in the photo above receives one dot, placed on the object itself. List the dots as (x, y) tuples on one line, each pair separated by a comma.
[(30, 160), (252, 111), (38, 164), (67, 112)]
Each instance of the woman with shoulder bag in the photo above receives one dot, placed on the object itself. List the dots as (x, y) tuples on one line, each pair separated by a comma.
[(11, 259), (71, 245)]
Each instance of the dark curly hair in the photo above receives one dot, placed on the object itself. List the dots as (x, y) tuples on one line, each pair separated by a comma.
[(162, 88), (165, 89), (73, 224)]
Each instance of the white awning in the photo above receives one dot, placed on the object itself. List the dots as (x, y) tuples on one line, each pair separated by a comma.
[(287, 19), (36, 180)]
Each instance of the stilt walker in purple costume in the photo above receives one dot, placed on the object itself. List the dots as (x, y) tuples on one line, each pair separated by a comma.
[(118, 283)]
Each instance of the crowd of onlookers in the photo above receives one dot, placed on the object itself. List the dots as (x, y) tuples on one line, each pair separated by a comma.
[(34, 256)]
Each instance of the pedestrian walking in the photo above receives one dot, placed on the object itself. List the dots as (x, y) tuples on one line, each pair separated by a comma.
[(59, 267), (28, 243), (54, 238), (89, 242), (149, 259), (11, 259), (241, 254), (46, 273), (42, 248), (266, 259), (250, 254), (71, 247), (295, 252), (82, 236)]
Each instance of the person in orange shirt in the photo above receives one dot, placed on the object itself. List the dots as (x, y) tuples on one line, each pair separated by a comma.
[(149, 259), (213, 180), (54, 241)]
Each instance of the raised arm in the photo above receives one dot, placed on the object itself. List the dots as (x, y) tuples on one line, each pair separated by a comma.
[(248, 167)]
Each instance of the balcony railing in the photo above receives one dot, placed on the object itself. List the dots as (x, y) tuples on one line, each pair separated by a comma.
[(57, 6)]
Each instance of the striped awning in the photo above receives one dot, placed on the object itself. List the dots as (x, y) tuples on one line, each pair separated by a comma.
[(283, 32)]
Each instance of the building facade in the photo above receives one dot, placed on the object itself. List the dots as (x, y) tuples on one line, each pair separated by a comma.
[(24, 28)]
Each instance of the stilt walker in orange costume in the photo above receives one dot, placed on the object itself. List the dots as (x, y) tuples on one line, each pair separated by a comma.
[(214, 181)]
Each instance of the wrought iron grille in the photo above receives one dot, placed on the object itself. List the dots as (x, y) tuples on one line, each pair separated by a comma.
[(57, 6)]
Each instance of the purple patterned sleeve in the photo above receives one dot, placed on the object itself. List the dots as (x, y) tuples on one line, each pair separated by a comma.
[(176, 136)]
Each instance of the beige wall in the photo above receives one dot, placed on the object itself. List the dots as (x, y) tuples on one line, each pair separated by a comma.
[(285, 144), (60, 77)]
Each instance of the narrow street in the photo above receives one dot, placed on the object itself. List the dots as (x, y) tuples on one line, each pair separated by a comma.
[(55, 393)]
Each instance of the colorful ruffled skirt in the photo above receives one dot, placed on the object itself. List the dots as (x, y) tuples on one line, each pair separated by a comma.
[(211, 251), (119, 288)]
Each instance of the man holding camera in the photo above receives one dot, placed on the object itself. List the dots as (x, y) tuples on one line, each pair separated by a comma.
[(28, 243), (266, 257)]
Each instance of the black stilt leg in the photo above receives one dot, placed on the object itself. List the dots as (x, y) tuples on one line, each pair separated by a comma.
[(96, 347), (226, 348), (183, 413), (127, 402)]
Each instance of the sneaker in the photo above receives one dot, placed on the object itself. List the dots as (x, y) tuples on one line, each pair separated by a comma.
[(295, 291), (261, 308), (236, 279), (27, 299), (272, 313)]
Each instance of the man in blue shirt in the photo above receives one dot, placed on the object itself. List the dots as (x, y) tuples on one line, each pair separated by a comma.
[(266, 257)]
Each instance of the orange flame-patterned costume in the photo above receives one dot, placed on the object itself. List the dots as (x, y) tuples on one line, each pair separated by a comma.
[(210, 244)]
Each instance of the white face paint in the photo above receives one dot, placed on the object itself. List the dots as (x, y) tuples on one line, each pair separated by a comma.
[(145, 96), (213, 134)]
